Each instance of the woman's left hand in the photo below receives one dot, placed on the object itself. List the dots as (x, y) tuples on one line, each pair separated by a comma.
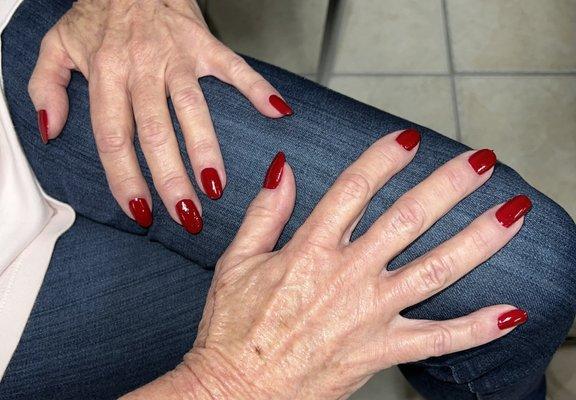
[(135, 53)]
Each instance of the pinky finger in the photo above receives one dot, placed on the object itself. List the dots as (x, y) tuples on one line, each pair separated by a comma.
[(423, 339), (234, 70)]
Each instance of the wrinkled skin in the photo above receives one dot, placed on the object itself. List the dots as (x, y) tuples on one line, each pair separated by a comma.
[(316, 319), (135, 53)]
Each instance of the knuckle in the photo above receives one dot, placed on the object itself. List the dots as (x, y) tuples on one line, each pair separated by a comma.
[(387, 160), (201, 146), (410, 216), (260, 212), (434, 274), (111, 143), (354, 186), (172, 182), (480, 242), (455, 180), (153, 133), (236, 66), (123, 182), (190, 100), (442, 341), (475, 331), (49, 39)]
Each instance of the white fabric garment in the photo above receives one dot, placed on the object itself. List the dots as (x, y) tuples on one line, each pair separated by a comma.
[(30, 223)]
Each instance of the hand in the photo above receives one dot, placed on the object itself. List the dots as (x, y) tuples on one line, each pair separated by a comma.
[(316, 319), (135, 53)]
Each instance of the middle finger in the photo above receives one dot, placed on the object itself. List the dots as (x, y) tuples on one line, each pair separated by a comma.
[(160, 147)]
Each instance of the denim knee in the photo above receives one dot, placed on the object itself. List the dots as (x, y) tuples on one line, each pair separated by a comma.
[(536, 271)]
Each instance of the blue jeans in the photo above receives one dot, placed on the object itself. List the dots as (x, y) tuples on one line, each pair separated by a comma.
[(120, 305)]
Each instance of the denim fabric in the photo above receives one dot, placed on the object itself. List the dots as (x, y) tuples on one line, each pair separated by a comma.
[(106, 313)]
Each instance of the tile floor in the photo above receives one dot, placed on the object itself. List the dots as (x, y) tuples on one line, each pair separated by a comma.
[(490, 73)]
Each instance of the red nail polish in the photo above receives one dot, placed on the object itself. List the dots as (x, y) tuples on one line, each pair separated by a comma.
[(280, 105), (482, 160), (189, 216), (43, 125), (211, 183), (408, 139), (274, 173), (512, 318), (141, 211), (513, 210)]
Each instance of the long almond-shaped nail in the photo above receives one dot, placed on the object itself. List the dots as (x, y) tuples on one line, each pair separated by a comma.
[(512, 318), (482, 161), (274, 173), (141, 211), (513, 210), (43, 125), (408, 139), (280, 105), (189, 216), (211, 183)]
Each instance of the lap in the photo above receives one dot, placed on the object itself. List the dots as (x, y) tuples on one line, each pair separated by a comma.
[(326, 133), (115, 311)]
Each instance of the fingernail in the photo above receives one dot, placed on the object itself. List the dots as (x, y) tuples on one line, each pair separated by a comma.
[(408, 139), (512, 318), (189, 216), (141, 211), (274, 173), (280, 105), (211, 183), (482, 160), (43, 125), (513, 210)]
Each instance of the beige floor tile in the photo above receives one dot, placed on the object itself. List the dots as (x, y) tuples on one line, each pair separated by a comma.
[(284, 33), (391, 35), (424, 100), (531, 123), (513, 35), (561, 375), (387, 385)]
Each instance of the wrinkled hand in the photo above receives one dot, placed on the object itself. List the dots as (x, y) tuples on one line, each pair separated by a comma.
[(316, 319), (135, 53)]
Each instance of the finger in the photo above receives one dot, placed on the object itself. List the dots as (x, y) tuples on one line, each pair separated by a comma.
[(266, 215), (233, 69), (330, 221), (420, 339), (415, 211), (160, 147), (199, 136), (441, 267), (113, 126), (47, 86)]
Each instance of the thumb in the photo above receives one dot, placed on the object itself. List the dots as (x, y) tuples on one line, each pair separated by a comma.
[(47, 86), (267, 214)]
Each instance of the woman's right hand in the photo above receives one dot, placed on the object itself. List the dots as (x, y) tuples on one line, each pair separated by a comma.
[(319, 317)]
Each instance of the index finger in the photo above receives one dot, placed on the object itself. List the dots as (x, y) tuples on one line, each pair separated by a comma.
[(345, 200)]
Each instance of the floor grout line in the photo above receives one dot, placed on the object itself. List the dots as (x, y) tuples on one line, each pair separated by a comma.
[(450, 57)]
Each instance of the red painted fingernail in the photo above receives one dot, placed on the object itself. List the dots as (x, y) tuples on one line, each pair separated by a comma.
[(512, 318), (513, 210), (274, 173), (141, 211), (280, 105), (408, 139), (189, 216), (211, 183), (43, 125), (482, 160)]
